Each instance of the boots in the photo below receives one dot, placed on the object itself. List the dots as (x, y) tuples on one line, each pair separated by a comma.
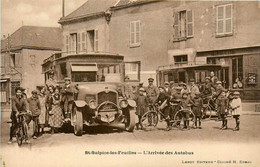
[(195, 125), (225, 126), (200, 124), (237, 126), (185, 125), (168, 125), (188, 125)]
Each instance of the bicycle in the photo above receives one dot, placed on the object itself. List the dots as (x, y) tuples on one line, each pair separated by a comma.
[(209, 109), (22, 129), (150, 119), (183, 115)]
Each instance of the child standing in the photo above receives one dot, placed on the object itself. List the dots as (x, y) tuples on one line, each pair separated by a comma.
[(222, 105), (236, 109), (142, 105), (185, 103), (197, 106)]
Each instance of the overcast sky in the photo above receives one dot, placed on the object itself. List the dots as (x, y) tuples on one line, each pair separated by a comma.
[(15, 13)]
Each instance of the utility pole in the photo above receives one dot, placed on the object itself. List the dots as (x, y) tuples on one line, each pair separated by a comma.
[(63, 8)]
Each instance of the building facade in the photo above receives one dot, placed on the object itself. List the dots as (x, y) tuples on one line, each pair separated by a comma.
[(225, 33), (22, 54), (172, 33)]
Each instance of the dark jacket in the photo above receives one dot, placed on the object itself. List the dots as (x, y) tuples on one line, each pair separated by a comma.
[(34, 106), (68, 92), (18, 104), (222, 104)]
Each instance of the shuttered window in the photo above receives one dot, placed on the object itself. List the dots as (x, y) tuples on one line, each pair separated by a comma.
[(135, 33), (78, 43), (67, 43), (224, 19), (83, 42), (96, 40), (183, 24)]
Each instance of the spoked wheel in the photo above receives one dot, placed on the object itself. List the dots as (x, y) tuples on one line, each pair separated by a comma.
[(180, 117), (149, 120), (207, 113), (19, 136)]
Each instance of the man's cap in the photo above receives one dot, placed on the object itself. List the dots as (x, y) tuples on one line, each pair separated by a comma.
[(142, 89), (192, 80), (218, 82), (171, 82), (185, 93), (19, 88), (34, 92), (178, 88), (161, 87), (184, 84), (67, 79), (207, 78), (51, 72), (197, 93), (236, 93), (150, 79), (141, 83), (180, 83), (166, 83)]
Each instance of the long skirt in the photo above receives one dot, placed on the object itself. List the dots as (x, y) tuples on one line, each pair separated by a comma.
[(43, 118), (56, 117)]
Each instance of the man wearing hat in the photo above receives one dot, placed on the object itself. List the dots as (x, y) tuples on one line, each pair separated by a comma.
[(152, 91), (213, 78), (207, 88), (185, 89), (18, 106), (167, 88), (193, 88), (35, 108), (176, 98), (51, 80), (127, 89), (67, 91)]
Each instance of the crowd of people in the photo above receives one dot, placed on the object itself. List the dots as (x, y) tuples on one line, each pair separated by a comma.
[(190, 97), (51, 105)]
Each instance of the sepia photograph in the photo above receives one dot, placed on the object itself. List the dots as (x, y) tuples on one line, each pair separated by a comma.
[(143, 83)]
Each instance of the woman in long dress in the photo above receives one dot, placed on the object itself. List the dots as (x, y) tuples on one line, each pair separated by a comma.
[(43, 118), (56, 116)]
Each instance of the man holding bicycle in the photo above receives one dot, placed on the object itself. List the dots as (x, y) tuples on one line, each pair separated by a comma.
[(18, 106)]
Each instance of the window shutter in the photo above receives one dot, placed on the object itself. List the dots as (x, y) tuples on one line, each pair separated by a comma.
[(132, 33), (138, 32), (228, 17), (96, 40), (189, 23), (220, 20), (78, 42), (83, 42), (176, 25), (86, 42)]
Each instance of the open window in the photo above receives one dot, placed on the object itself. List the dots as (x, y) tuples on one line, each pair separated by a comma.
[(84, 72), (132, 71)]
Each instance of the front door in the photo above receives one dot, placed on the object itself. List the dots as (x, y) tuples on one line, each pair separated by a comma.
[(182, 76)]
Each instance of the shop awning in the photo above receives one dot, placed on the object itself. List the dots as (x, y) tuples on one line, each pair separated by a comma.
[(83, 67)]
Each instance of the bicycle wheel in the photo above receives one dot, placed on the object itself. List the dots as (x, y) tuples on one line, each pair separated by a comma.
[(207, 113), (149, 120), (19, 136), (180, 116)]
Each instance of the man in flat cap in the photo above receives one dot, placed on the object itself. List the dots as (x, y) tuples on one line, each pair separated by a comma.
[(152, 91), (167, 88), (18, 106), (51, 80), (207, 88), (35, 108), (193, 88), (67, 91)]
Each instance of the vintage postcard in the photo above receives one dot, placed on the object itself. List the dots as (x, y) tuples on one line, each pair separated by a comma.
[(130, 83)]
